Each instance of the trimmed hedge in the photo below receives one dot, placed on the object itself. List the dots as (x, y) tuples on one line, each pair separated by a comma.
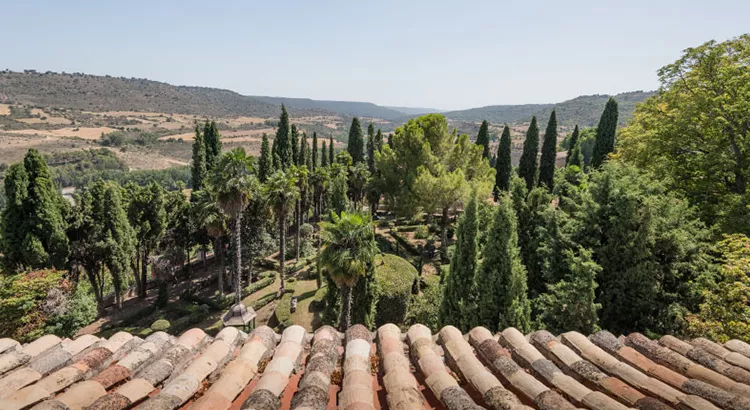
[(266, 299), (260, 284), (283, 310), (405, 242), (161, 325), (395, 277)]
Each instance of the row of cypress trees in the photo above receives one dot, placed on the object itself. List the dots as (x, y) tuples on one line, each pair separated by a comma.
[(537, 171)]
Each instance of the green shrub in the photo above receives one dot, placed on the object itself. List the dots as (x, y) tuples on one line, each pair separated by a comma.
[(422, 232), (260, 284), (394, 276), (306, 230), (78, 312), (161, 325), (264, 300), (425, 308), (283, 310), (319, 299)]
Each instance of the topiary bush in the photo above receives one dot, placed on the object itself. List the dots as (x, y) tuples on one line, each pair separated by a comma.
[(394, 276), (422, 232), (260, 284), (161, 325)]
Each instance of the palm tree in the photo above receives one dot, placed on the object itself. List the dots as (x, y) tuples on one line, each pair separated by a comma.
[(349, 250), (210, 216), (281, 192), (233, 184)]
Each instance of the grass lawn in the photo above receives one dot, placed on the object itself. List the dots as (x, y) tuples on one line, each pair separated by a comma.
[(305, 315)]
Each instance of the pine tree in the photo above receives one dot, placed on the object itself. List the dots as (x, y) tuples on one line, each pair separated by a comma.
[(265, 165), (212, 141), (503, 165), (331, 156), (483, 139), (379, 140), (324, 155), (371, 148), (457, 308), (301, 153), (501, 287), (315, 151), (295, 145), (198, 170), (527, 166), (355, 145), (605, 134), (549, 153), (282, 141), (573, 142)]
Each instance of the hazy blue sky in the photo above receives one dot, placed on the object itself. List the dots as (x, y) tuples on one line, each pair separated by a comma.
[(439, 54)]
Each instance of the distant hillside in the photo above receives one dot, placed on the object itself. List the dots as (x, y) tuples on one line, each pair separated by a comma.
[(415, 111), (350, 108), (105, 93), (584, 110)]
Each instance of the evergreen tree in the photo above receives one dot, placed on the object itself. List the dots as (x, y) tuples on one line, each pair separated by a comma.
[(532, 213), (457, 307), (13, 218), (117, 240), (338, 201), (605, 134), (324, 155), (315, 151), (282, 141), (212, 141), (295, 144), (390, 139), (379, 140), (371, 148), (148, 217), (570, 304), (198, 169), (34, 225), (265, 165), (301, 153), (573, 142), (549, 153), (527, 166), (575, 157), (331, 156), (483, 139), (355, 145), (501, 279), (503, 165)]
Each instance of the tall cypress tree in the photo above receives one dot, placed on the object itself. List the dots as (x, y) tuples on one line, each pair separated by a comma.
[(605, 134), (331, 153), (13, 218), (457, 307), (315, 151), (575, 157), (282, 141), (301, 154), (573, 141), (355, 145), (379, 140), (212, 141), (371, 148), (324, 155), (501, 287), (527, 166), (295, 145), (265, 165), (483, 139), (503, 165), (390, 139), (198, 170), (118, 239), (549, 153)]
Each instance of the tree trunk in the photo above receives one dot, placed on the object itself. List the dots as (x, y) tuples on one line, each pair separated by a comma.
[(144, 274), (136, 269), (282, 250), (97, 293), (444, 235), (346, 308), (296, 236), (238, 258), (203, 256)]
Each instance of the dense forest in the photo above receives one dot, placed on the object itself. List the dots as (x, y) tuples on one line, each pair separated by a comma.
[(645, 228)]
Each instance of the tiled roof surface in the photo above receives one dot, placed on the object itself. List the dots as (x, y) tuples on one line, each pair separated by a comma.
[(363, 370)]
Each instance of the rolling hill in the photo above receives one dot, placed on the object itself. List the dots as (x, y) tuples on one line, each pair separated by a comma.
[(584, 110)]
